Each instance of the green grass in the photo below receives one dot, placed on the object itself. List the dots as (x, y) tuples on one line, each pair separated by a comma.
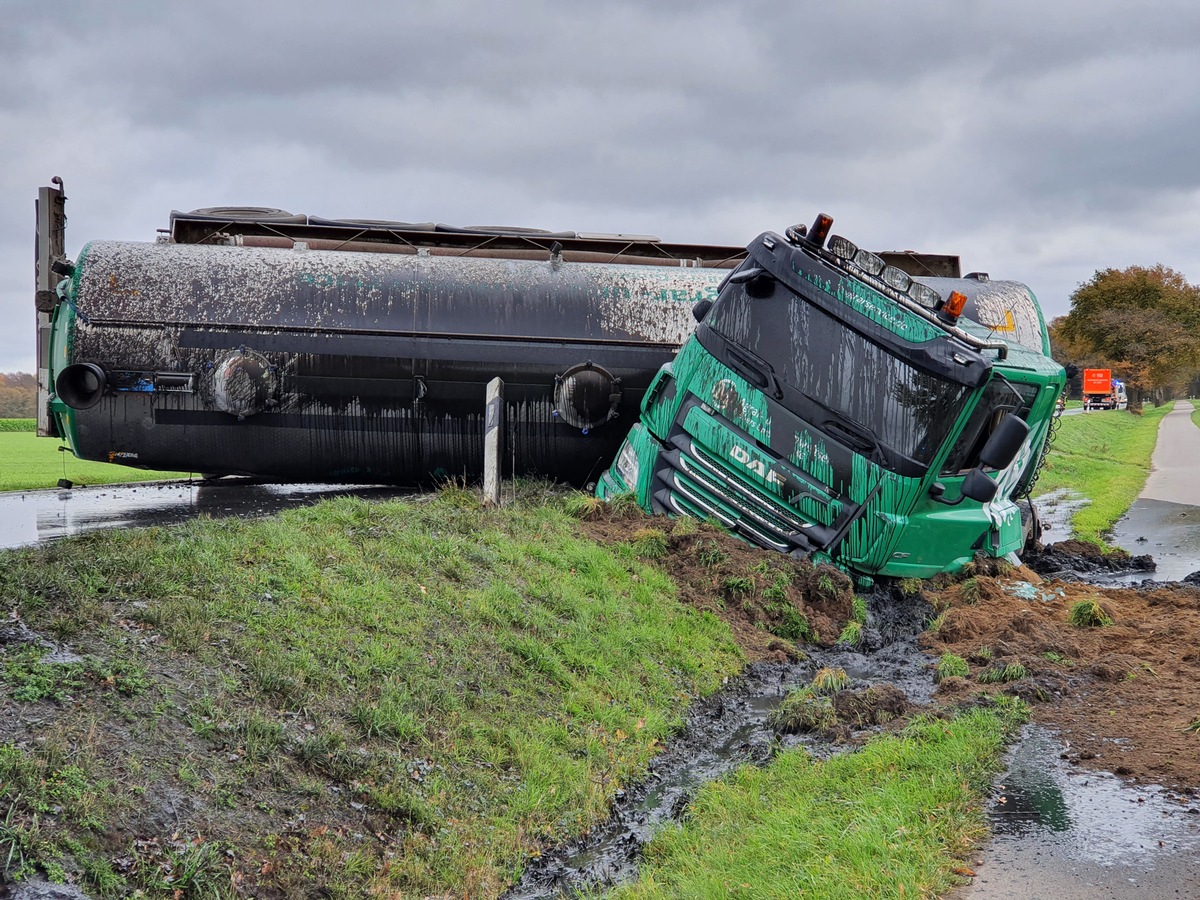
[(18, 425), (1105, 456), (951, 666), (1003, 673), (356, 698), (893, 819), (1089, 614), (28, 462)]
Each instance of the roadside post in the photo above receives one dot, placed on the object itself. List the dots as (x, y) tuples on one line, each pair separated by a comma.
[(493, 428)]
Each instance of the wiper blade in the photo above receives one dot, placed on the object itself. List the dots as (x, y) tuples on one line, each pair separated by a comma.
[(859, 437)]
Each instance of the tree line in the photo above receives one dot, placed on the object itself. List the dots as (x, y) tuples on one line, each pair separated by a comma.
[(1143, 323), (18, 395)]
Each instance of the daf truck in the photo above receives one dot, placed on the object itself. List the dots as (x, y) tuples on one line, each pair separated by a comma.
[(832, 405)]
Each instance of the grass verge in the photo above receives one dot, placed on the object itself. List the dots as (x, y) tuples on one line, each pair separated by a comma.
[(894, 819), (29, 463), (353, 699), (1105, 456)]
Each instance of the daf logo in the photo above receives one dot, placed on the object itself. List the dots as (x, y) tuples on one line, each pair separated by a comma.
[(742, 457)]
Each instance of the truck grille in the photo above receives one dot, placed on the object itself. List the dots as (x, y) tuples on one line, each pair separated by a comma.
[(690, 482)]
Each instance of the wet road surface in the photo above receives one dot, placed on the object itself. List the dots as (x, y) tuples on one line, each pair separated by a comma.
[(1165, 519), (1063, 833)]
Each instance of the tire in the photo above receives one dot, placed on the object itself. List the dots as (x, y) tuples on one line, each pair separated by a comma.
[(1031, 528)]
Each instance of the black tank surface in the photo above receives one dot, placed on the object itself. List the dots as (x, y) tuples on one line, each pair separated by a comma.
[(315, 364)]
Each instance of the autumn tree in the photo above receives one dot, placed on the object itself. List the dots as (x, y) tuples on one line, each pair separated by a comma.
[(18, 395), (1144, 323)]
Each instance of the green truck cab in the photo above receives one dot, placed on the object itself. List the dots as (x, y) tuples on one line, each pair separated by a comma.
[(831, 405)]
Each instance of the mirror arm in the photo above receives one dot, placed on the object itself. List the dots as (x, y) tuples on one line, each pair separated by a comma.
[(936, 492)]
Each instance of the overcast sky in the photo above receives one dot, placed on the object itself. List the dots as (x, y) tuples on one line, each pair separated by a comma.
[(1040, 141)]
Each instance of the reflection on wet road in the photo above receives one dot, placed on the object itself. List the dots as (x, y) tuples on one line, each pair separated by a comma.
[(1064, 833), (1170, 532), (27, 517)]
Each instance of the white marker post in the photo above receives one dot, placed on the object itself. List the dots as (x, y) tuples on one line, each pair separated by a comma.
[(493, 428)]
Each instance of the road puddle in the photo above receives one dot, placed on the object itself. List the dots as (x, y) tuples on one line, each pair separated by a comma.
[(1062, 832), (1170, 532)]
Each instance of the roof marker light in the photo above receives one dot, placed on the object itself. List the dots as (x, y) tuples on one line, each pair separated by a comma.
[(820, 229), (796, 233), (954, 304)]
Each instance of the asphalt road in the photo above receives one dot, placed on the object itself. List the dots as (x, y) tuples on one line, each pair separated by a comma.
[(1174, 473)]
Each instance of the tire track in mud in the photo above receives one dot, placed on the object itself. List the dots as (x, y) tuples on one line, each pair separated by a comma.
[(728, 730)]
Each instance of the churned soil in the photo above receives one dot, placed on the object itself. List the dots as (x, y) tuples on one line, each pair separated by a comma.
[(1124, 697), (773, 604)]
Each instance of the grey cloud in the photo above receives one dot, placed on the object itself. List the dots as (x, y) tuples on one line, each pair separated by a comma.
[(1026, 136)]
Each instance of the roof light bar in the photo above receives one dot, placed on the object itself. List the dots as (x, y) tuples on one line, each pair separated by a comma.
[(925, 295), (896, 278)]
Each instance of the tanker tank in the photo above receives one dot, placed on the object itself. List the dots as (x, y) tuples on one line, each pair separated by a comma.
[(302, 349)]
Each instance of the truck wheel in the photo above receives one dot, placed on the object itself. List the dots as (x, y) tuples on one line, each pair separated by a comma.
[(1031, 528)]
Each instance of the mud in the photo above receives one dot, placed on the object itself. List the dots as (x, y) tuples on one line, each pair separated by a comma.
[(1081, 560), (1122, 698)]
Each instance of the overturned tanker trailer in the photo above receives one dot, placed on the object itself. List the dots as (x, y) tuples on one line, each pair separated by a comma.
[(251, 341)]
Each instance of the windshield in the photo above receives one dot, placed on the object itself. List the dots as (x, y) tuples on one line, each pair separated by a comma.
[(858, 381)]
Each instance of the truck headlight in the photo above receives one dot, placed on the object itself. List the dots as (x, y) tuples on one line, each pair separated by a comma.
[(627, 465)]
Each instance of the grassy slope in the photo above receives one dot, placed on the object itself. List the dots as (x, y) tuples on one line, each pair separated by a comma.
[(28, 462), (402, 696), (1104, 456)]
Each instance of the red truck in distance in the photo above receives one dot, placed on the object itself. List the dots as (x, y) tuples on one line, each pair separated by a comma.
[(1102, 391)]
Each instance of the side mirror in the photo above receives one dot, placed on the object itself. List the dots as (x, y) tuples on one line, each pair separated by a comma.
[(977, 486), (700, 309), (1001, 448), (759, 282), (745, 275)]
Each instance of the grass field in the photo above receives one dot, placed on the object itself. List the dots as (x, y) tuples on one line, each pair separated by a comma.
[(28, 462)]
